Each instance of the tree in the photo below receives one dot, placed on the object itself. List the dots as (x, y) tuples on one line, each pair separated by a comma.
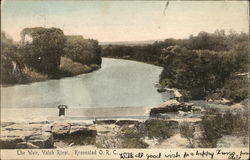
[(11, 64), (85, 51), (42, 48)]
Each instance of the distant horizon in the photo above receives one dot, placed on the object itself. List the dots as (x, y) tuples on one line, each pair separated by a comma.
[(129, 41), (125, 21)]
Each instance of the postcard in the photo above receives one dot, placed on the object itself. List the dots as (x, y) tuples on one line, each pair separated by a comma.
[(113, 79)]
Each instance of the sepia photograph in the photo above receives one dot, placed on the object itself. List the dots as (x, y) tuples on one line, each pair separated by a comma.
[(112, 79)]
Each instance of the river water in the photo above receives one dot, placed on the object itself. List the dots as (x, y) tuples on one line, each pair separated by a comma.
[(119, 83)]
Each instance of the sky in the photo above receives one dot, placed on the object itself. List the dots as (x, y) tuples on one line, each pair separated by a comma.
[(110, 21)]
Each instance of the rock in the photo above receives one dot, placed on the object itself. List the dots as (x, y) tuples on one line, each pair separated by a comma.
[(222, 101), (21, 135), (14, 134), (10, 142), (47, 128), (26, 145), (60, 128), (171, 106), (169, 103), (42, 122), (95, 66), (237, 107), (42, 140), (225, 101), (83, 130), (182, 113), (197, 108), (101, 122), (210, 100), (177, 94), (108, 136), (5, 124), (161, 90)]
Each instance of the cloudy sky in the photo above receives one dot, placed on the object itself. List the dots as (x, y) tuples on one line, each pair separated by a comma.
[(124, 20)]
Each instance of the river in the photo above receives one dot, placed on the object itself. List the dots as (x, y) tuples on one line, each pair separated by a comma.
[(119, 83)]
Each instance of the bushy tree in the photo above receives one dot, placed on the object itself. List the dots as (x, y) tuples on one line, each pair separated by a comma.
[(42, 48), (11, 64), (85, 51)]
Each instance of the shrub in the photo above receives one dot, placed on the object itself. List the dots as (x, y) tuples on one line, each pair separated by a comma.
[(211, 124), (34, 76), (157, 128), (187, 131), (216, 125), (131, 138), (71, 68)]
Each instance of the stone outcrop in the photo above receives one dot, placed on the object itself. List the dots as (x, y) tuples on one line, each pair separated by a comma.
[(222, 101), (25, 136), (42, 140), (171, 106), (83, 130), (42, 135), (26, 145), (61, 128), (105, 121)]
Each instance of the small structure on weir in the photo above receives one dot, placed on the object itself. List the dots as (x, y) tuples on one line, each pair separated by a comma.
[(62, 109)]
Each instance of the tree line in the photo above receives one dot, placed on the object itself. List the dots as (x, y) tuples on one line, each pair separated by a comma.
[(40, 51), (204, 66)]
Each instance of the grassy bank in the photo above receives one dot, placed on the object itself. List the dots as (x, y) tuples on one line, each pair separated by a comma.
[(46, 54), (68, 68)]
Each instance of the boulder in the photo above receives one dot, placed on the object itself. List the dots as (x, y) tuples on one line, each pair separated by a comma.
[(238, 108), (26, 145), (60, 128), (47, 128), (171, 106), (95, 66), (197, 109), (102, 122), (83, 130), (161, 90), (210, 100), (42, 140), (169, 103), (10, 142), (10, 137), (222, 101), (5, 124), (22, 135)]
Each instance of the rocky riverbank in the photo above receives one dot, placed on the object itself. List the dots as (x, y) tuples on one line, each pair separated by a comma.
[(171, 124), (100, 133)]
